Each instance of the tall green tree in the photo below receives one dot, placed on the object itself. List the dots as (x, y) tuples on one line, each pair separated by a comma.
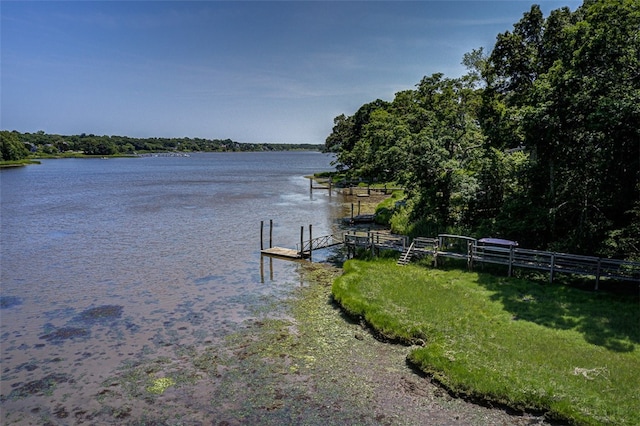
[(441, 161), (566, 88), (582, 125), (11, 148)]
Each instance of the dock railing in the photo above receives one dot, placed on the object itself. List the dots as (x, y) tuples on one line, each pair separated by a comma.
[(375, 241)]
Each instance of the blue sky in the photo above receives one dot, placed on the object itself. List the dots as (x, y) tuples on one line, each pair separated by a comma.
[(268, 71)]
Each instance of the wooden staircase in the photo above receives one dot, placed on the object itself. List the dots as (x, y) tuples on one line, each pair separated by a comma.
[(419, 247), (406, 255)]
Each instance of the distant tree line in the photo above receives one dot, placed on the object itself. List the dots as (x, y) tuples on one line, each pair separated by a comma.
[(16, 146), (539, 142)]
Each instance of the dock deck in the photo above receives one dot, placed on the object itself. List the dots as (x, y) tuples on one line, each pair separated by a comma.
[(282, 252)]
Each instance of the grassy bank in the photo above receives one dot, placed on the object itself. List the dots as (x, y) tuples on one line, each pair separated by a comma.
[(573, 354), (17, 163)]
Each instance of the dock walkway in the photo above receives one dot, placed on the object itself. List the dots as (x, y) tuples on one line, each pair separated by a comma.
[(463, 248)]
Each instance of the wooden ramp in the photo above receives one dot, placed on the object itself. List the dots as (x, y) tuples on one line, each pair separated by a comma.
[(282, 252)]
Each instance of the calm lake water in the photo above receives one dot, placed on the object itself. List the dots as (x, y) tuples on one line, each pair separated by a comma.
[(108, 261)]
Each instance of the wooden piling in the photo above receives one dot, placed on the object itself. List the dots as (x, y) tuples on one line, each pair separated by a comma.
[(310, 243), (302, 241), (270, 233), (261, 239)]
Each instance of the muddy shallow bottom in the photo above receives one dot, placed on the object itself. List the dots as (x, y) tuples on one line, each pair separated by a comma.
[(300, 361)]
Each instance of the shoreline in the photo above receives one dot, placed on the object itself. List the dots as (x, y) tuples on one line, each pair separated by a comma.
[(350, 375)]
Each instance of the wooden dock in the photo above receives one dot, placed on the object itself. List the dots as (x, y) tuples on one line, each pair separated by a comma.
[(361, 218), (461, 248), (282, 252)]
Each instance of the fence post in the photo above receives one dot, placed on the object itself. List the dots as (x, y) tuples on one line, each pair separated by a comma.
[(373, 245), (553, 264), (598, 274), (435, 252), (470, 256), (510, 259)]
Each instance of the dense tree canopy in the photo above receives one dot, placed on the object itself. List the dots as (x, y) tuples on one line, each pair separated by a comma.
[(539, 142), (11, 148), (21, 145)]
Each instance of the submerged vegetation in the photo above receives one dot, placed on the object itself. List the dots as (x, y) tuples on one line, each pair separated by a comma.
[(572, 354)]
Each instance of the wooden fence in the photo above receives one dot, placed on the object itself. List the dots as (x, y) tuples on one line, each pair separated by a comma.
[(475, 252), (551, 262), (469, 249)]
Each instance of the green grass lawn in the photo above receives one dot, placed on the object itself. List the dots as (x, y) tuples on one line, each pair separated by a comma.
[(571, 353)]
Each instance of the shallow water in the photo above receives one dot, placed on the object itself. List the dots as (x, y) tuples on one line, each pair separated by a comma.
[(107, 264)]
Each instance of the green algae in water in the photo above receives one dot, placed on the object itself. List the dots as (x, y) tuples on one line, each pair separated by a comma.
[(158, 386), (45, 386)]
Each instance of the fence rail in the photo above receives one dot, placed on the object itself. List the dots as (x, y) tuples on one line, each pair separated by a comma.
[(550, 262)]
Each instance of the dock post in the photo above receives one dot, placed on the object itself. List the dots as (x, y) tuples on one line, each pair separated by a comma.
[(310, 245), (301, 241), (358, 207), (270, 233), (351, 211), (261, 239)]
